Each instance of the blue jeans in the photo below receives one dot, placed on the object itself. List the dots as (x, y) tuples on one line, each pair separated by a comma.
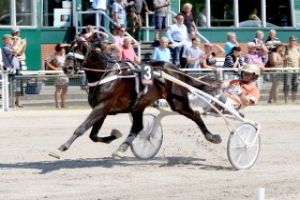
[(175, 53)]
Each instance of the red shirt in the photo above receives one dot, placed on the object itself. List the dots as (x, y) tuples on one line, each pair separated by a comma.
[(128, 54)]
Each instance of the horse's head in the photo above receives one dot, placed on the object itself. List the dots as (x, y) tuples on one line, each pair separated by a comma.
[(86, 51), (75, 59)]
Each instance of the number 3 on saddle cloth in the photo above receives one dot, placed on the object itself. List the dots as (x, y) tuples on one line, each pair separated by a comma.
[(146, 75)]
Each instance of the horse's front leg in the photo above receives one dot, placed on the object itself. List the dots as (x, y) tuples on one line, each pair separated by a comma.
[(182, 106), (98, 114), (137, 126)]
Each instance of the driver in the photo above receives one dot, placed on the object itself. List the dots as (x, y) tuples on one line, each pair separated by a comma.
[(240, 93)]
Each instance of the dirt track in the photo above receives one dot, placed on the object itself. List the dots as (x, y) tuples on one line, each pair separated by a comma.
[(187, 167)]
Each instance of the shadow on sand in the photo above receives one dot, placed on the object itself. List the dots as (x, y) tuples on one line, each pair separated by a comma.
[(108, 162)]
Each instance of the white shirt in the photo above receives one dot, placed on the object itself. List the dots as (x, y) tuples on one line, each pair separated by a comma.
[(177, 33), (99, 4)]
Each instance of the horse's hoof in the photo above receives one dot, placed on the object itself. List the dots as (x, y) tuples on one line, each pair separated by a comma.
[(216, 139), (118, 155), (116, 133), (55, 154)]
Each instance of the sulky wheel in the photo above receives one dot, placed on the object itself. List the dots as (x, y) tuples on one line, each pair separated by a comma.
[(243, 146), (149, 140)]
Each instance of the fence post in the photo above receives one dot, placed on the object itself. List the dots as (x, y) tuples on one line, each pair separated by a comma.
[(5, 94)]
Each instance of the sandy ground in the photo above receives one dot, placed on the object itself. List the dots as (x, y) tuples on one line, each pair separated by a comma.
[(187, 166)]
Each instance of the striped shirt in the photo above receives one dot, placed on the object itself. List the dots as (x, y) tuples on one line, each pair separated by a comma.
[(230, 60)]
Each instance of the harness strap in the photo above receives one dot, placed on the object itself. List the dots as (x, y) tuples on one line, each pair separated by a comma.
[(109, 79), (75, 55)]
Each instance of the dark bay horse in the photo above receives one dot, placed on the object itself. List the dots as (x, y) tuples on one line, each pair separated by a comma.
[(121, 96)]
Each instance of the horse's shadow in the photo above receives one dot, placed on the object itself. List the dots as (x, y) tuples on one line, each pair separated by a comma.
[(108, 162)]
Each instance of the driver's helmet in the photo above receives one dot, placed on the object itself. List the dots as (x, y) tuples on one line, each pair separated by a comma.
[(252, 69)]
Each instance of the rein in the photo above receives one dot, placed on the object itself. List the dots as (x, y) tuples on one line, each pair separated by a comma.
[(195, 79), (103, 70)]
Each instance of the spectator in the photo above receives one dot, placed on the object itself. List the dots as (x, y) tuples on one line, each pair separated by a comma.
[(259, 38), (233, 60), (119, 38), (187, 45), (101, 6), (253, 15), (194, 54), (177, 35), (260, 45), (231, 42), (209, 57), (276, 61), (291, 58), (228, 11), (272, 40), (162, 53), (134, 17), (257, 54), (202, 19), (127, 52), (11, 64), (20, 45), (56, 62), (160, 17), (119, 14), (188, 17)]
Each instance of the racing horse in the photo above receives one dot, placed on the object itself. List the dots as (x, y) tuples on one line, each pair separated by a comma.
[(112, 90)]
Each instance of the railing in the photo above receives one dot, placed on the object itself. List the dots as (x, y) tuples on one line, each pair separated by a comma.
[(38, 87), (110, 20), (4, 87)]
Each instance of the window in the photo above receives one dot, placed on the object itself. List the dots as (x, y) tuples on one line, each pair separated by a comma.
[(250, 13), (57, 13), (222, 17), (5, 15), (22, 14), (278, 13)]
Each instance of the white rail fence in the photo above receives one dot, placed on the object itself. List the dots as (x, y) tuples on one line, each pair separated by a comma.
[(36, 88)]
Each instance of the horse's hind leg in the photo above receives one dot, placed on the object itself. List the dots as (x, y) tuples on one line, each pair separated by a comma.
[(182, 106), (115, 134), (137, 126)]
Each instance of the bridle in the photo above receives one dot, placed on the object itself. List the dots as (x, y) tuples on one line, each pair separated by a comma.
[(80, 59)]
